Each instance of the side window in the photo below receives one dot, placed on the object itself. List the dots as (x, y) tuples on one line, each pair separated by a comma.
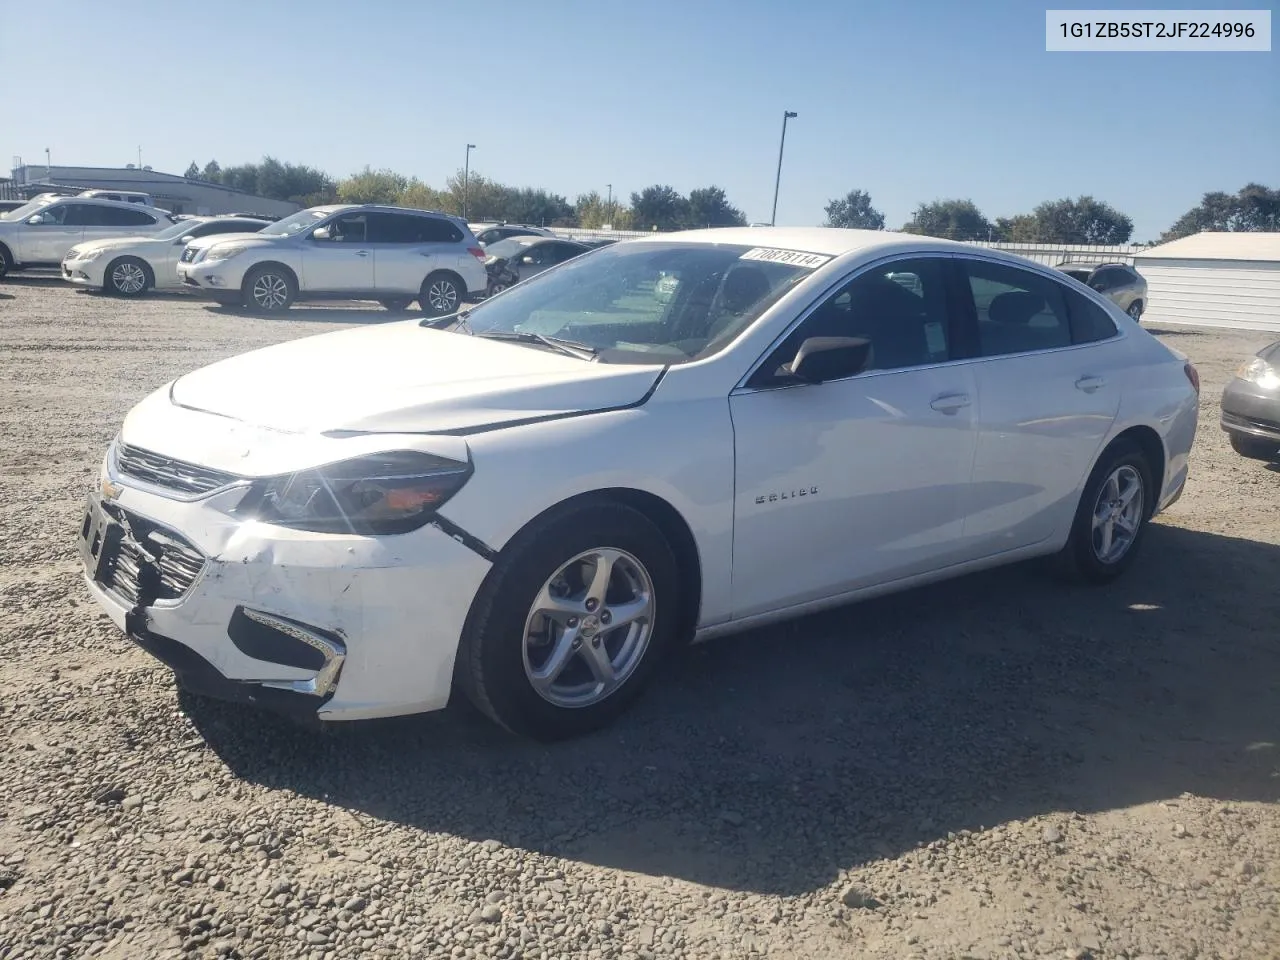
[(82, 215), (564, 251), (348, 229), (901, 307), (436, 230), (56, 214), (132, 218), (1018, 311), (1089, 322)]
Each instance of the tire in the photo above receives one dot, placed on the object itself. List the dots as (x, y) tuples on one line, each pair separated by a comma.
[(269, 289), (6, 261), (495, 289), (1086, 557), (506, 642), (396, 306), (1135, 311), (127, 277), (1255, 448), (442, 294)]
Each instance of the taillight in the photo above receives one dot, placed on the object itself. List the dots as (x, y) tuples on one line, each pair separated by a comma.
[(476, 252), (1193, 374)]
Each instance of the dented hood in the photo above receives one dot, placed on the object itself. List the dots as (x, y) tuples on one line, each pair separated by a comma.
[(404, 378)]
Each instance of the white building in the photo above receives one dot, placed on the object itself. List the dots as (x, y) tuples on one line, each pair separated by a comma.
[(170, 192), (1214, 279)]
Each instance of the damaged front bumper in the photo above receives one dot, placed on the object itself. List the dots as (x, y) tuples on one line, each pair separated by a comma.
[(314, 626)]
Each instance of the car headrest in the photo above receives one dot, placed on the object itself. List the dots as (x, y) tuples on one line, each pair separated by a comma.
[(743, 286), (1016, 307)]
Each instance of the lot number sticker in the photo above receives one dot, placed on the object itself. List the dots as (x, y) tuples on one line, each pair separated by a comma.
[(795, 258)]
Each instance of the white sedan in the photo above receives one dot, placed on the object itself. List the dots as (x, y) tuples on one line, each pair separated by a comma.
[(130, 266), (535, 500)]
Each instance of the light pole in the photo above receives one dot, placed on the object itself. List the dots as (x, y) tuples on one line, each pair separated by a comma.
[(608, 207), (466, 179), (786, 115)]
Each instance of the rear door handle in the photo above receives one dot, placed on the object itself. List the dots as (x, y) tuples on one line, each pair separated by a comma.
[(362, 253), (951, 402), (1090, 384)]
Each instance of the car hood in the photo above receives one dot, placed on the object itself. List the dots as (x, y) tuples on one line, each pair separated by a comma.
[(209, 241), (404, 378), (116, 243)]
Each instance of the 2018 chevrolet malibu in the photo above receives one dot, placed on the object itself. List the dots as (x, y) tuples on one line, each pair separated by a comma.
[(535, 499)]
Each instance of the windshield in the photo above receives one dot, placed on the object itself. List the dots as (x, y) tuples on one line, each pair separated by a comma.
[(27, 209), (644, 302), (511, 247), (295, 224), (179, 229)]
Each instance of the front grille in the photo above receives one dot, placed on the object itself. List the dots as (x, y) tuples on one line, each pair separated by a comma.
[(166, 472), (188, 254), (150, 561)]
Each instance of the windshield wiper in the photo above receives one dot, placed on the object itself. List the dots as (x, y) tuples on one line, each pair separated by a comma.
[(458, 319), (570, 348)]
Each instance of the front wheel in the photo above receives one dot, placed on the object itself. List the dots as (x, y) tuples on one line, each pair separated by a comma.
[(1255, 448), (397, 305), (5, 263), (572, 621), (442, 294), (128, 277), (269, 289), (1135, 310), (1112, 515)]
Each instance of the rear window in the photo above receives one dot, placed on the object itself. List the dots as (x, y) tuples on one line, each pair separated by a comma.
[(1089, 322)]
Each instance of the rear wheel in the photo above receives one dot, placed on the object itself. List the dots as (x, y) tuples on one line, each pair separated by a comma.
[(1135, 310), (396, 306), (127, 277), (269, 289), (6, 262), (572, 621), (1255, 448), (1111, 517), (442, 294)]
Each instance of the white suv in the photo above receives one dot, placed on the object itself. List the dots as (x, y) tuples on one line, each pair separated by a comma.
[(394, 255), (41, 233)]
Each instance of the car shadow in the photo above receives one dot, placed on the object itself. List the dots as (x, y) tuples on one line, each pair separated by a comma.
[(34, 280), (771, 761), (336, 314)]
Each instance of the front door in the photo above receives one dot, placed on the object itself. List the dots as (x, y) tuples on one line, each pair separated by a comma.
[(342, 263), (60, 228), (1048, 391), (855, 482)]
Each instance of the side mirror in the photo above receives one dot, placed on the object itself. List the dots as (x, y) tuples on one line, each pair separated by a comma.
[(36, 220), (828, 358), (526, 259), (183, 241), (321, 233)]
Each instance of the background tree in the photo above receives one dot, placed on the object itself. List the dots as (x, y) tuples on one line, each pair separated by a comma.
[(955, 219), (709, 207), (593, 211), (373, 186), (1253, 208), (1023, 228), (211, 172), (659, 207), (193, 172), (854, 211), (272, 178), (1083, 220)]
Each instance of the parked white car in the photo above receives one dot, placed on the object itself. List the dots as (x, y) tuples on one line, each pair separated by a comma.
[(41, 232), (394, 255), (130, 266), (124, 196), (538, 499)]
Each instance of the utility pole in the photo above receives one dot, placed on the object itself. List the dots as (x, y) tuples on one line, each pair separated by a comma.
[(139, 156), (466, 179), (786, 115), (608, 207)]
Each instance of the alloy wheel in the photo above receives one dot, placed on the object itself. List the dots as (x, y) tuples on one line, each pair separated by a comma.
[(128, 278), (1117, 514), (589, 627), (270, 291), (442, 295)]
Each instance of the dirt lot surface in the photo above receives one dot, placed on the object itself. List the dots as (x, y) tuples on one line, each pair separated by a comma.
[(1000, 766)]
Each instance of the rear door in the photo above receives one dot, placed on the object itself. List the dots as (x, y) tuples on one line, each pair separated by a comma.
[(1048, 385), (407, 247)]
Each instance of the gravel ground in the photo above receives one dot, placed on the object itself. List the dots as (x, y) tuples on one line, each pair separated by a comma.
[(995, 767)]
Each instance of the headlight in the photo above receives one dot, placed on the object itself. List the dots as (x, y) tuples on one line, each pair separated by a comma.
[(1260, 372), (84, 256), (383, 493), (223, 251)]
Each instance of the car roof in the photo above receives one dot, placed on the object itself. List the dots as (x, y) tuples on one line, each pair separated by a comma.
[(389, 208), (1091, 264), (103, 202), (831, 241)]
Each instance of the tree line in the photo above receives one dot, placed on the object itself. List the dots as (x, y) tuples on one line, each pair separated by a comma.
[(1083, 220), (657, 207)]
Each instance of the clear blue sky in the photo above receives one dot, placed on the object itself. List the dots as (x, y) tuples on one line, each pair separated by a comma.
[(910, 101)]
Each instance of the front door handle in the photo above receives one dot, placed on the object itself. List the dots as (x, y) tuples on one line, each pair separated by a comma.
[(951, 402), (362, 253), (1090, 384)]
